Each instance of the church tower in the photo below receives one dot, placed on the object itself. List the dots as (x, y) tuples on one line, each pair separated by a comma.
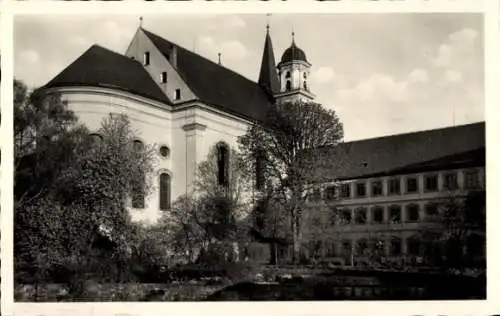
[(293, 72), (268, 77)]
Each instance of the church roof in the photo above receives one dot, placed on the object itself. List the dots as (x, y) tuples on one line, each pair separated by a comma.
[(215, 84), (100, 67), (293, 53), (436, 149), (268, 77)]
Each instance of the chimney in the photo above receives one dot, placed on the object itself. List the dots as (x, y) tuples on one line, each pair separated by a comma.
[(173, 56)]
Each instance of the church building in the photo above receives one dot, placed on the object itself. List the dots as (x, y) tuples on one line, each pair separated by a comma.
[(179, 101), (187, 105)]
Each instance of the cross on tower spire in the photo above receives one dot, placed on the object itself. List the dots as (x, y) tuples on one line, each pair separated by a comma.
[(140, 21)]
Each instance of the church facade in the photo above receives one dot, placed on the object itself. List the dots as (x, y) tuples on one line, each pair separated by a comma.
[(179, 101)]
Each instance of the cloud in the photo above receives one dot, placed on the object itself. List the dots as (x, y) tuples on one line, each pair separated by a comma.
[(456, 49), (323, 75), (30, 56), (419, 75), (234, 21), (377, 87), (452, 76), (233, 50)]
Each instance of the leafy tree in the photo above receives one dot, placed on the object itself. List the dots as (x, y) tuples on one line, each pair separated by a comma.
[(462, 221), (211, 216), (72, 193), (286, 148)]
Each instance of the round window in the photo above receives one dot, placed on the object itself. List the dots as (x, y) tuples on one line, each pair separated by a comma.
[(164, 151)]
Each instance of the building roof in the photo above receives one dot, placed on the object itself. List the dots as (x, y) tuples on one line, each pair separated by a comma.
[(293, 53), (100, 67), (443, 148), (268, 77), (216, 85)]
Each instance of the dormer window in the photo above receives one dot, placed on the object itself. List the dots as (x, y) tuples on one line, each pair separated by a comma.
[(163, 77), (177, 94), (146, 58)]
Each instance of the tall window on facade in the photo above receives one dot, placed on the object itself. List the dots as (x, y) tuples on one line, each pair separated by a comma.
[(146, 59), (377, 188), (164, 191), (288, 75), (378, 215), (346, 248), (223, 164), (450, 181), (288, 85), (394, 186), (361, 216), (334, 216), (395, 246), (330, 193), (345, 217), (431, 182), (305, 85), (412, 212), (471, 180), (395, 212), (345, 190), (411, 185), (138, 192), (163, 77), (360, 189), (361, 247)]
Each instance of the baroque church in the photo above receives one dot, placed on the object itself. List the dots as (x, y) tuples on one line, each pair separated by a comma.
[(387, 192), (178, 100)]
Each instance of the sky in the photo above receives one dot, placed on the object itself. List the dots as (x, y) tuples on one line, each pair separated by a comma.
[(382, 74)]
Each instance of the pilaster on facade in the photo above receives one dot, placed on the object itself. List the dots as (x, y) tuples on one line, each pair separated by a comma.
[(194, 138)]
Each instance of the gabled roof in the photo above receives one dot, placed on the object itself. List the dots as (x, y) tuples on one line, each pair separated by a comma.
[(100, 67), (435, 149), (216, 85)]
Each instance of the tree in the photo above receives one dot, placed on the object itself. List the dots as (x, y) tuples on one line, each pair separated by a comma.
[(72, 193), (287, 147), (211, 216), (462, 228)]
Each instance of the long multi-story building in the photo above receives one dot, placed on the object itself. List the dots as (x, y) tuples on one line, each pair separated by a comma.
[(385, 198)]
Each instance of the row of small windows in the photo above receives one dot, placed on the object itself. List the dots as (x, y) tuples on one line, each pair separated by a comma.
[(163, 74), (393, 246), (360, 215), (471, 181), (289, 75), (138, 145)]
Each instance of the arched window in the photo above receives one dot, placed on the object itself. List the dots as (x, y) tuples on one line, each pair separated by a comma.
[(138, 145), (287, 74), (164, 191), (305, 85), (288, 85), (223, 164)]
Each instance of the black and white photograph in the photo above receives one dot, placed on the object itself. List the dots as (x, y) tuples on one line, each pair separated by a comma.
[(249, 157)]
